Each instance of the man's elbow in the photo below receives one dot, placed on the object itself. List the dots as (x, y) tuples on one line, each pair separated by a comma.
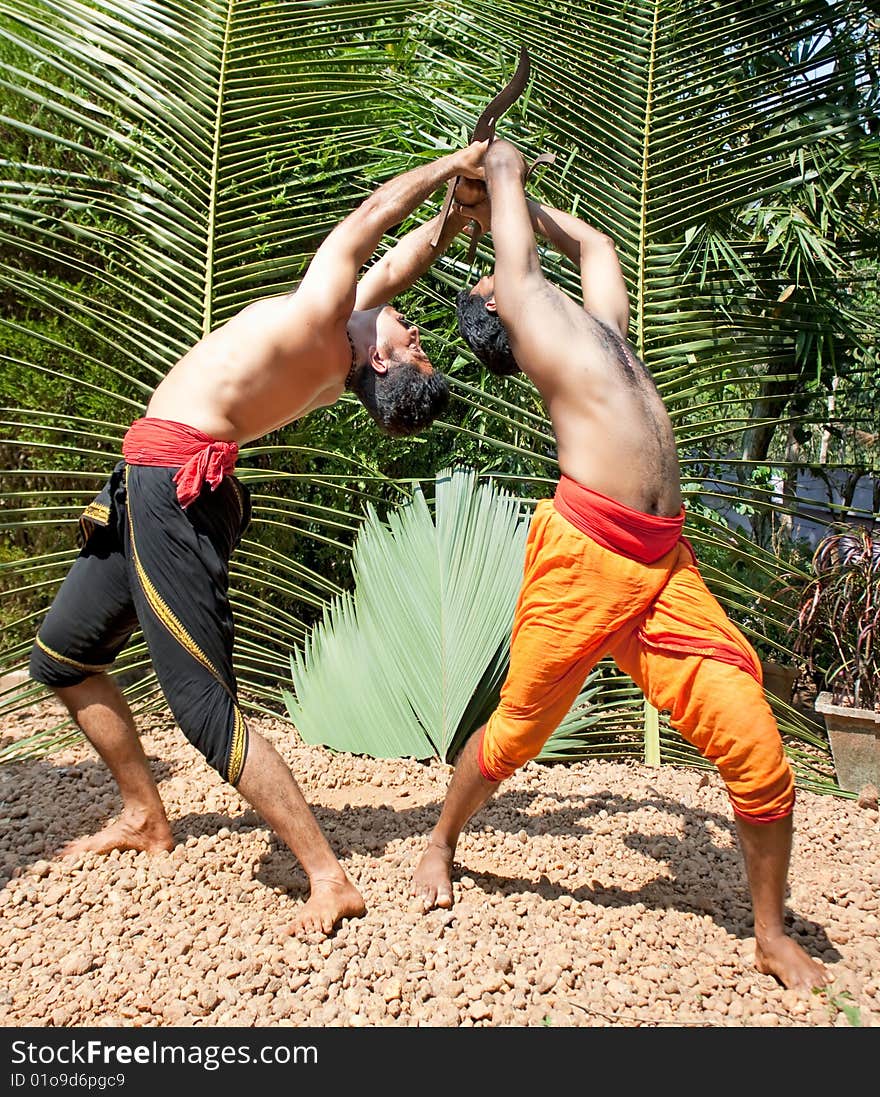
[(381, 212), (369, 220), (595, 243)]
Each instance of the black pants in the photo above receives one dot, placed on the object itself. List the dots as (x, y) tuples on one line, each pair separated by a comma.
[(146, 561)]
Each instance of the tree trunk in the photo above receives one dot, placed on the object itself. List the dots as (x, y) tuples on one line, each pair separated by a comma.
[(826, 433), (767, 409), (785, 520)]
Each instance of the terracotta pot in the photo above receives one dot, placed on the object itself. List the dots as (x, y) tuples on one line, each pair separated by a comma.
[(854, 734)]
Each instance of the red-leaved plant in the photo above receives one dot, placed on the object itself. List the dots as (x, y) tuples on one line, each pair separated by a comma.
[(839, 616)]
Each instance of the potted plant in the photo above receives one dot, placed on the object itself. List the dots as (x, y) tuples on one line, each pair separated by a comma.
[(838, 633)]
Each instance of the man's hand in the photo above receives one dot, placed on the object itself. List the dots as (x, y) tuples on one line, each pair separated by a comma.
[(503, 156), (469, 160), (472, 202), (470, 192)]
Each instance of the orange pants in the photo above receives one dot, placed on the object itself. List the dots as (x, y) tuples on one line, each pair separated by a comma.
[(580, 602)]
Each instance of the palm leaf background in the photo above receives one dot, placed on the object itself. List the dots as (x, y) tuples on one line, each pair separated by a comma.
[(168, 161), (412, 661)]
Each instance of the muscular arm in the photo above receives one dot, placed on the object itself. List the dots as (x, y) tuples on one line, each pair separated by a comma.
[(543, 324), (406, 262), (330, 282), (603, 289), (518, 272)]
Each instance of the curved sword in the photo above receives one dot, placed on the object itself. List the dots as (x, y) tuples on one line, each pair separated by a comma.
[(485, 127), (484, 130)]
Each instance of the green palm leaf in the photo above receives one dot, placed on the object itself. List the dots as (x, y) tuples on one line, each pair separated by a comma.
[(165, 163), (412, 662)]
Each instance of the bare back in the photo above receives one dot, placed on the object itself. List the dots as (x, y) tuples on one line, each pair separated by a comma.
[(612, 429), (269, 364)]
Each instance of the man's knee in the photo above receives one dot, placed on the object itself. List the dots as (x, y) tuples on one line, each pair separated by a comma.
[(729, 721), (508, 743), (216, 728), (52, 669)]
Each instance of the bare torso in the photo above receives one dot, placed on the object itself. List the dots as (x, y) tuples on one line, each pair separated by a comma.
[(612, 429), (266, 366)]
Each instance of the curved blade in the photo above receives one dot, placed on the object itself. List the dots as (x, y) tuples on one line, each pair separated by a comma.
[(484, 130), (544, 158), (485, 127)]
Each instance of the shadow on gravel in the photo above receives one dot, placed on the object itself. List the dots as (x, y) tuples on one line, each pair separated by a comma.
[(720, 890), (43, 806)]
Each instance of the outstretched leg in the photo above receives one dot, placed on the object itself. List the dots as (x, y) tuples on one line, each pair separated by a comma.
[(183, 606), (269, 786), (720, 707), (551, 655), (102, 713)]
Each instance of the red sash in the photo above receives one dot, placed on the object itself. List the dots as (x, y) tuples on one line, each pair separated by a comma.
[(168, 444), (614, 526)]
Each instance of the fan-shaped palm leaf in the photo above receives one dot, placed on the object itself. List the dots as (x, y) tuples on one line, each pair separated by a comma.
[(412, 662)]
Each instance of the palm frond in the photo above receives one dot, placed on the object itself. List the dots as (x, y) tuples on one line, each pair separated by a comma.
[(412, 661)]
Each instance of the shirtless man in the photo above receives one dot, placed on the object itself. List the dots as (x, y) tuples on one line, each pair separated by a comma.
[(607, 571), (157, 539)]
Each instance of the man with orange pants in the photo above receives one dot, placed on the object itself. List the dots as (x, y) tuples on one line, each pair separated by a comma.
[(607, 570)]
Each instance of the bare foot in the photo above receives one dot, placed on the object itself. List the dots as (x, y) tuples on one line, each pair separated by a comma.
[(432, 880), (329, 902), (785, 959), (123, 834)]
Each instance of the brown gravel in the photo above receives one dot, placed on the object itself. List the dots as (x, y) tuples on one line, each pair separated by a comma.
[(592, 894)]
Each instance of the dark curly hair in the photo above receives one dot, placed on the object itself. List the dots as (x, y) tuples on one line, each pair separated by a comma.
[(484, 333), (404, 400)]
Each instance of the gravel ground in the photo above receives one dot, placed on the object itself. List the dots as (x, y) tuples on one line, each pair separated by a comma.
[(592, 894)]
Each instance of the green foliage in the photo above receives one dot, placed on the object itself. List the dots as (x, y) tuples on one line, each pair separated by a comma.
[(840, 1001), (164, 164), (839, 612), (412, 661)]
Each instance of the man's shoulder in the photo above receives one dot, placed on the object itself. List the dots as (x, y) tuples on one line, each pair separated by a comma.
[(270, 303)]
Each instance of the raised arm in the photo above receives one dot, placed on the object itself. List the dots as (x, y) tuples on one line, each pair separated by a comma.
[(330, 281), (603, 289), (407, 261), (543, 324), (518, 273)]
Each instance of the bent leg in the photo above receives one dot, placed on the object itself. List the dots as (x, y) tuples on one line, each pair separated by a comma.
[(721, 709), (102, 713), (766, 851), (574, 594), (179, 582), (89, 622)]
